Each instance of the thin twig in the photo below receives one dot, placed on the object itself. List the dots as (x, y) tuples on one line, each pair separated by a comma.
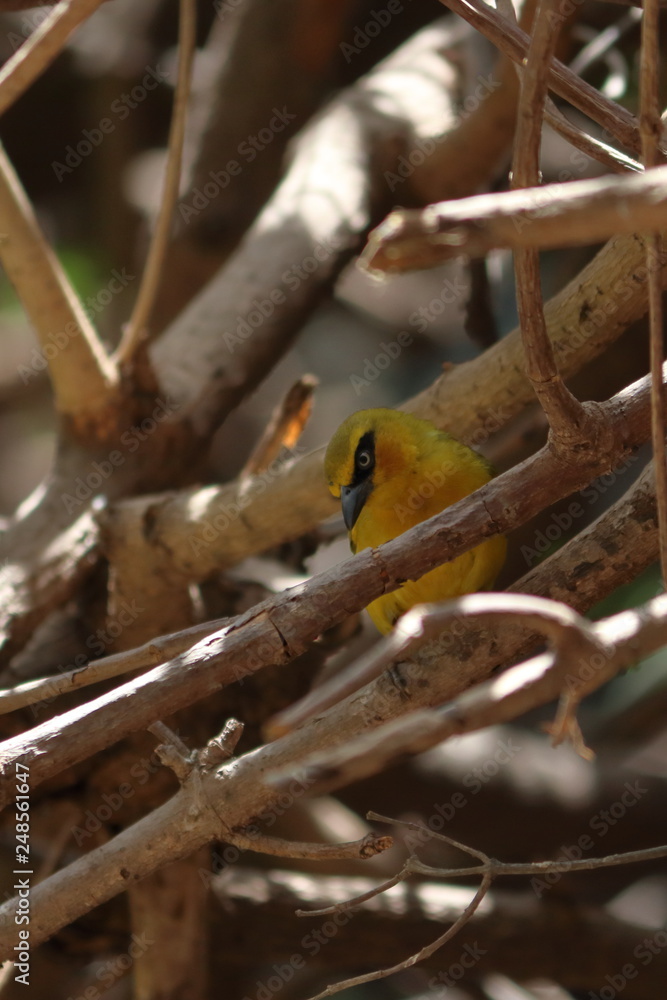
[(495, 869), (367, 847), (151, 653), (588, 144), (604, 40), (135, 333), (173, 752), (514, 42), (40, 49), (354, 901), (285, 426), (650, 127), (564, 413), (419, 956)]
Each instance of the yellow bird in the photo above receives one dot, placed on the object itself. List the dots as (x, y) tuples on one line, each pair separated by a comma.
[(392, 470)]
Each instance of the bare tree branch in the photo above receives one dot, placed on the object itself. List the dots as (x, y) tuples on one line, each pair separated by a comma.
[(41, 48), (514, 42), (136, 329), (650, 125), (554, 215), (83, 377), (567, 417)]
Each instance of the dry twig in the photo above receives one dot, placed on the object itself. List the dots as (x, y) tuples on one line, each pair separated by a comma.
[(285, 427), (135, 332), (514, 43), (489, 869), (567, 417), (651, 131), (41, 48)]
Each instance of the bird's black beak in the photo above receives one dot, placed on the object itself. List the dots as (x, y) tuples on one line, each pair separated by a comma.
[(352, 499)]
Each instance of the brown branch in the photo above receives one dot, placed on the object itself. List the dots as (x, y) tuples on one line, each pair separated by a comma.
[(151, 653), (570, 634), (82, 375), (248, 53), (359, 850), (625, 638), (555, 215), (588, 144), (136, 330), (514, 43), (419, 956), (218, 526), (284, 428), (280, 628), (566, 416), (38, 52), (249, 313), (650, 125)]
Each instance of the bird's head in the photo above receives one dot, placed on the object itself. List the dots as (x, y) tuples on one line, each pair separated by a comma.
[(368, 449)]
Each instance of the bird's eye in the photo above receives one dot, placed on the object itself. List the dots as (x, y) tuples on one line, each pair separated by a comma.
[(364, 459)]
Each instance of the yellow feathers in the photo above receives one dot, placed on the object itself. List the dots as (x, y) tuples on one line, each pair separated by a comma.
[(392, 470)]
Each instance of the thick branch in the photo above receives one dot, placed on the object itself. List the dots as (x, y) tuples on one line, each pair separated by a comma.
[(248, 315), (82, 375), (625, 639), (556, 215)]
